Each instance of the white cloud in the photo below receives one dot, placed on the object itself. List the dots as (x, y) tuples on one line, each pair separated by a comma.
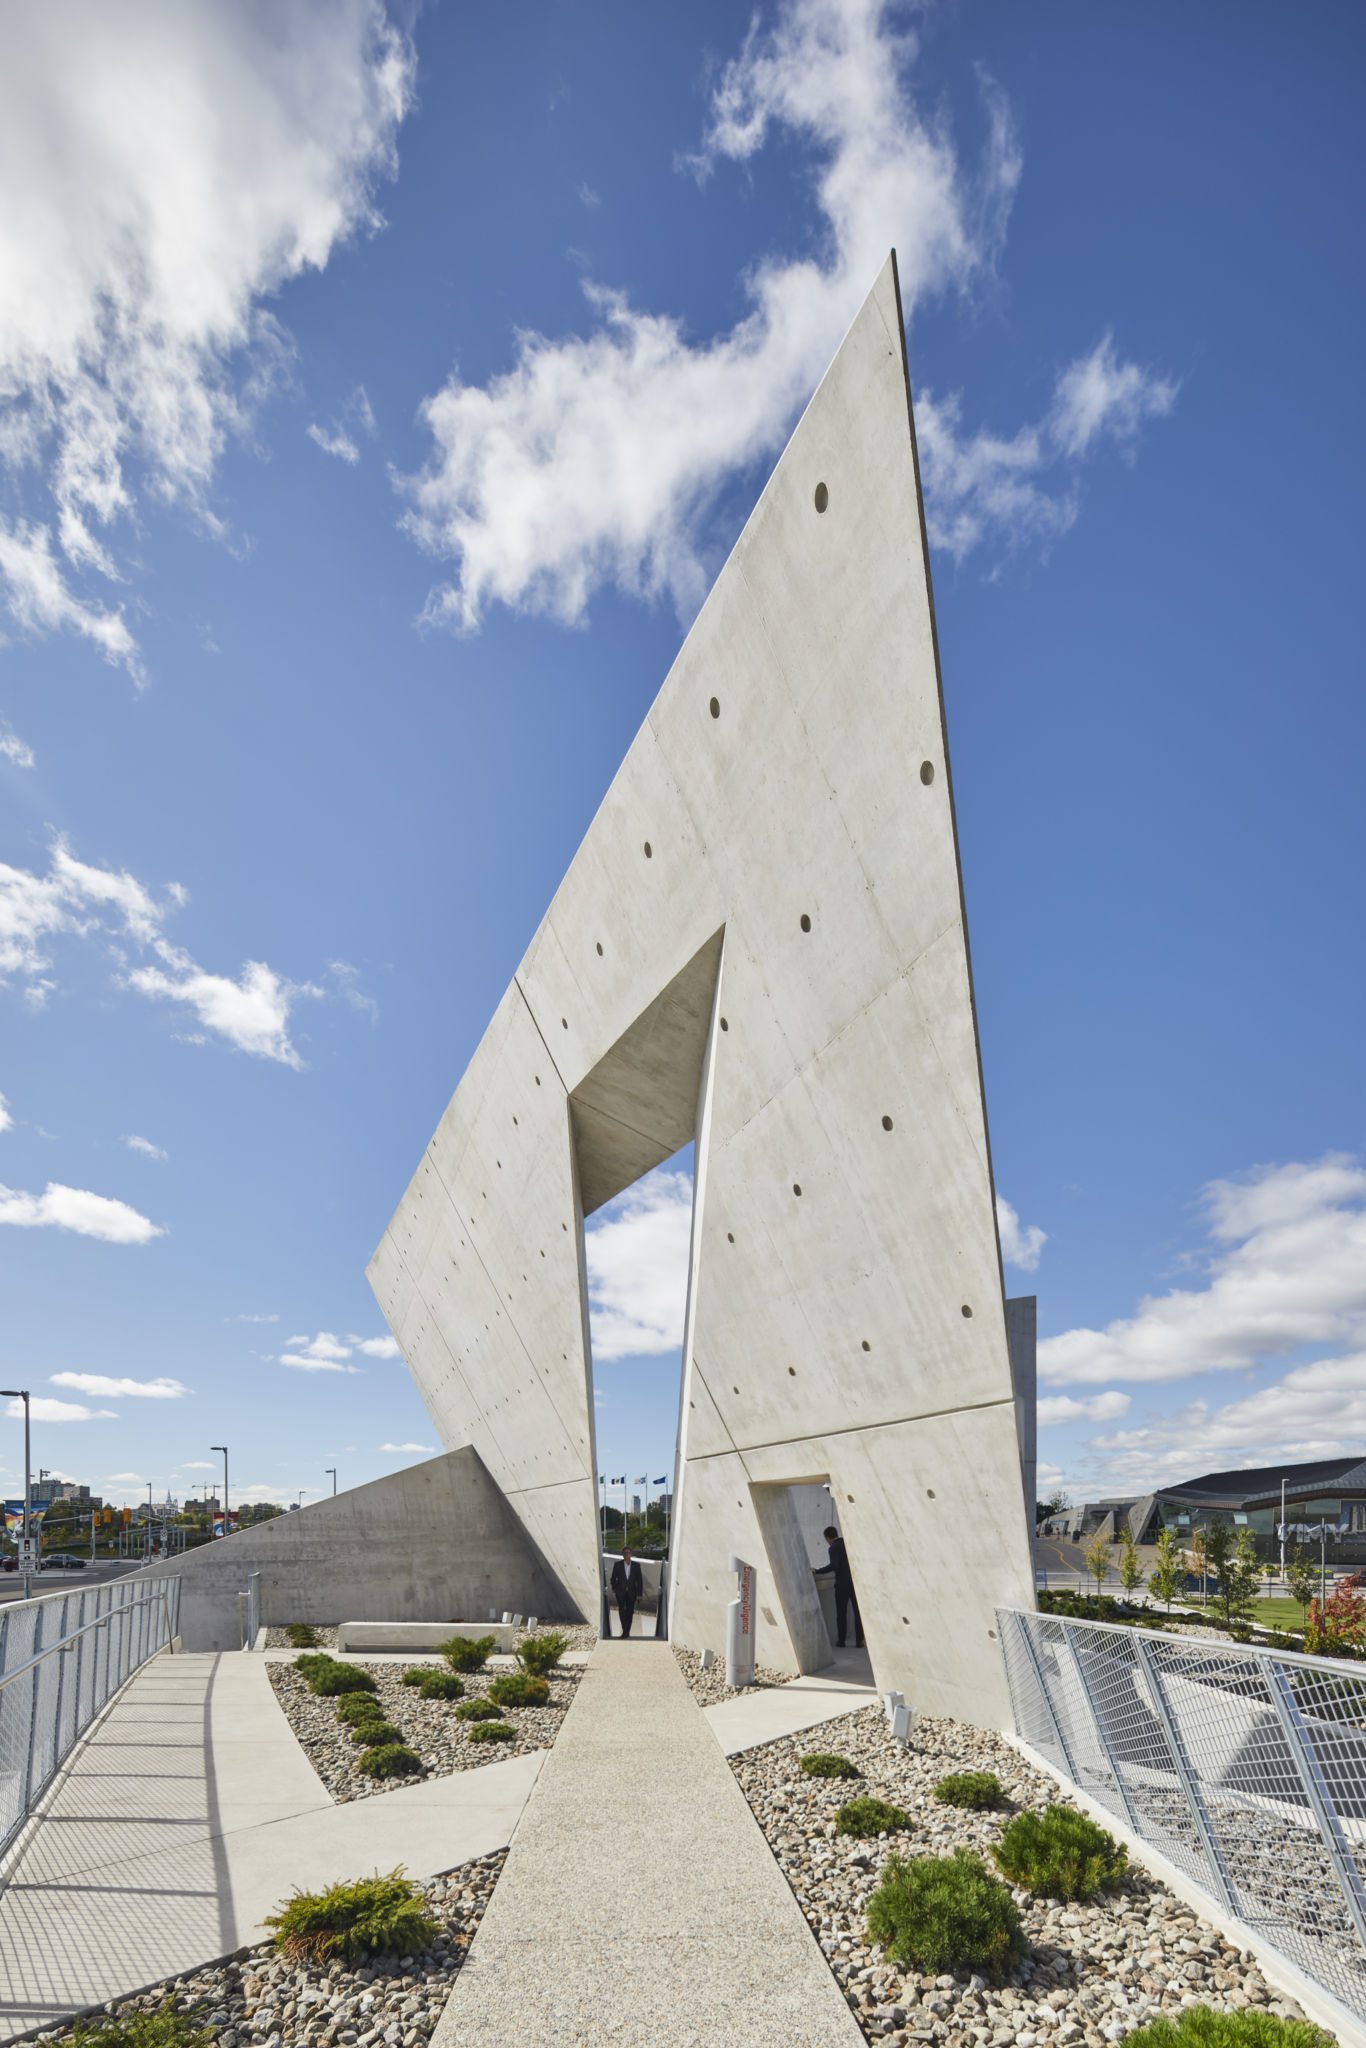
[(163, 169), (323, 1353), (1288, 1270), (376, 1347), (198, 1465), (335, 442), (637, 1250), (430, 1449), (124, 1479), (44, 1410), (1056, 1408), (12, 748), (594, 459), (77, 900), (76, 1209), (99, 1383), (6, 1120), (1019, 1247), (145, 1146), (251, 1319), (338, 439)]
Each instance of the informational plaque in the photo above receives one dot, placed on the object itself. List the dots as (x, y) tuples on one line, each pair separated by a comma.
[(740, 1627)]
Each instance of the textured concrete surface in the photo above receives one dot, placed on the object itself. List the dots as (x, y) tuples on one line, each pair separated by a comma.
[(761, 945), (434, 1542), (640, 1903), (188, 1815), (754, 1717)]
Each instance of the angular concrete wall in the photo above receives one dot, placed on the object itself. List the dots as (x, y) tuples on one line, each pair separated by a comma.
[(760, 944), (437, 1542)]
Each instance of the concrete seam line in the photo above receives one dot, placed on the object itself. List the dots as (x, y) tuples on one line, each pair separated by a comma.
[(835, 1435)]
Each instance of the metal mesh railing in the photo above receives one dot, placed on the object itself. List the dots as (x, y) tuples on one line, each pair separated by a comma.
[(62, 1658), (1244, 1767)]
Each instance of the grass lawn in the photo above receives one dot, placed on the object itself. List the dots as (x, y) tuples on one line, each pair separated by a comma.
[(1280, 1614)]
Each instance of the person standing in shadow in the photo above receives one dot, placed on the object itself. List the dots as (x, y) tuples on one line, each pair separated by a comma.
[(845, 1596), (627, 1587)]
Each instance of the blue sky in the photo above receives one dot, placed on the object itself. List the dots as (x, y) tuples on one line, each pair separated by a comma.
[(380, 394)]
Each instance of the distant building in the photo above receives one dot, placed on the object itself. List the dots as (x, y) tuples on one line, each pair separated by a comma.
[(1329, 1492)]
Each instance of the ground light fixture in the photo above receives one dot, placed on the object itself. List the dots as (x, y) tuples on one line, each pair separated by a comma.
[(224, 1449), (21, 1394)]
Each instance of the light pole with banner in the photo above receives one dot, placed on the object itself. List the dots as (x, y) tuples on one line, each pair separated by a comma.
[(224, 1449), (26, 1551)]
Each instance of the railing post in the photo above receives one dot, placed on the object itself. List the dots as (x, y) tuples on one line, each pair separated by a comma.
[(1046, 1696), (1316, 1792), (1185, 1775), (1102, 1734)]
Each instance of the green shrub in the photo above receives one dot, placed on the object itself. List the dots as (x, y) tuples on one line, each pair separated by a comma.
[(302, 1635), (358, 1706), (164, 2029), (540, 1654), (477, 1710), (441, 1685), (376, 1733), (340, 1678), (368, 1916), (1200, 2027), (1060, 1854), (465, 1653), (389, 1760), (870, 1817), (519, 1689), (417, 1674), (313, 1661), (979, 1790), (492, 1731), (945, 1913), (824, 1764)]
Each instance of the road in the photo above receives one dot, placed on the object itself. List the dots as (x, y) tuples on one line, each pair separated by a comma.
[(97, 1574)]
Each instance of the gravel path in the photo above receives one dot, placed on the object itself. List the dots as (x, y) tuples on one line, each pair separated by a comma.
[(1091, 1972), (430, 1727), (710, 1686), (390, 2002)]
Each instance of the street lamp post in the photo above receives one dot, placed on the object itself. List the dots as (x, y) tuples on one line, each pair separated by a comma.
[(224, 1449), (149, 1521), (302, 1491), (21, 1394), (330, 1472)]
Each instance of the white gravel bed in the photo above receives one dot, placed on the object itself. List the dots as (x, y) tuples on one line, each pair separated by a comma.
[(430, 1727), (1092, 1972), (278, 1638), (390, 2002), (710, 1686)]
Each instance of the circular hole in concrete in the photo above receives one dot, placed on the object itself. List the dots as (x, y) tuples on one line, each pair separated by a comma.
[(715, 708), (805, 922), (735, 1390), (866, 1345), (927, 773), (730, 1237), (850, 1498), (538, 1080), (822, 497), (724, 1025), (929, 1490), (649, 850), (966, 1310), (906, 1619), (796, 1187), (599, 948), (792, 1372), (886, 1123), (992, 1633)]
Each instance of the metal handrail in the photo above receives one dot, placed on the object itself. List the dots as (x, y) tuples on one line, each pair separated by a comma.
[(1212, 1643), (67, 1641)]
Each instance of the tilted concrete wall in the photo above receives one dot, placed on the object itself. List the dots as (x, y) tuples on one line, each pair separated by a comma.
[(760, 945), (436, 1542)]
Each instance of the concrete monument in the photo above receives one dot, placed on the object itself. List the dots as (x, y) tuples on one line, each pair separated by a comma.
[(760, 946)]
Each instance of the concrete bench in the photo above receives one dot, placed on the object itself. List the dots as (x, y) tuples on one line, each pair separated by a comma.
[(418, 1635)]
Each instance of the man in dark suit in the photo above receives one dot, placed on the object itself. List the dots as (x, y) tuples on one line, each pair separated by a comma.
[(845, 1596), (627, 1587)]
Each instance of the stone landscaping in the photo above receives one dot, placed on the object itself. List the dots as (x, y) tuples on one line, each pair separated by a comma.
[(260, 2000), (709, 1687), (431, 1728), (1092, 1972)]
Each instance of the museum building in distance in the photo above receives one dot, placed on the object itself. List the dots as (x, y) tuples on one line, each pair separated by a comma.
[(1327, 1490)]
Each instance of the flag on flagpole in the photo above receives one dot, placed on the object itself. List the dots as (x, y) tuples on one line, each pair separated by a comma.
[(662, 1480)]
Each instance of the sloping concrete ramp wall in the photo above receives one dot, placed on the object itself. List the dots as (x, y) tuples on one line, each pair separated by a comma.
[(436, 1542), (761, 946)]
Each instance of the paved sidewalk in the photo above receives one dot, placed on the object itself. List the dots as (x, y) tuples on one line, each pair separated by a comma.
[(754, 1717), (640, 1903), (188, 1814)]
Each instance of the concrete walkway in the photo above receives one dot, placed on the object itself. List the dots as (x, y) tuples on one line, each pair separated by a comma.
[(754, 1717), (188, 1814), (640, 1903)]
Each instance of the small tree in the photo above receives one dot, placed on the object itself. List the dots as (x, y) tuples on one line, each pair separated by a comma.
[(1337, 1625), (1097, 1556), (1168, 1574), (1302, 1577), (1130, 1568), (1233, 1559)]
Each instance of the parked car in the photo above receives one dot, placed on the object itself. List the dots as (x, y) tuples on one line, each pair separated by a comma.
[(63, 1561), (9, 1564)]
